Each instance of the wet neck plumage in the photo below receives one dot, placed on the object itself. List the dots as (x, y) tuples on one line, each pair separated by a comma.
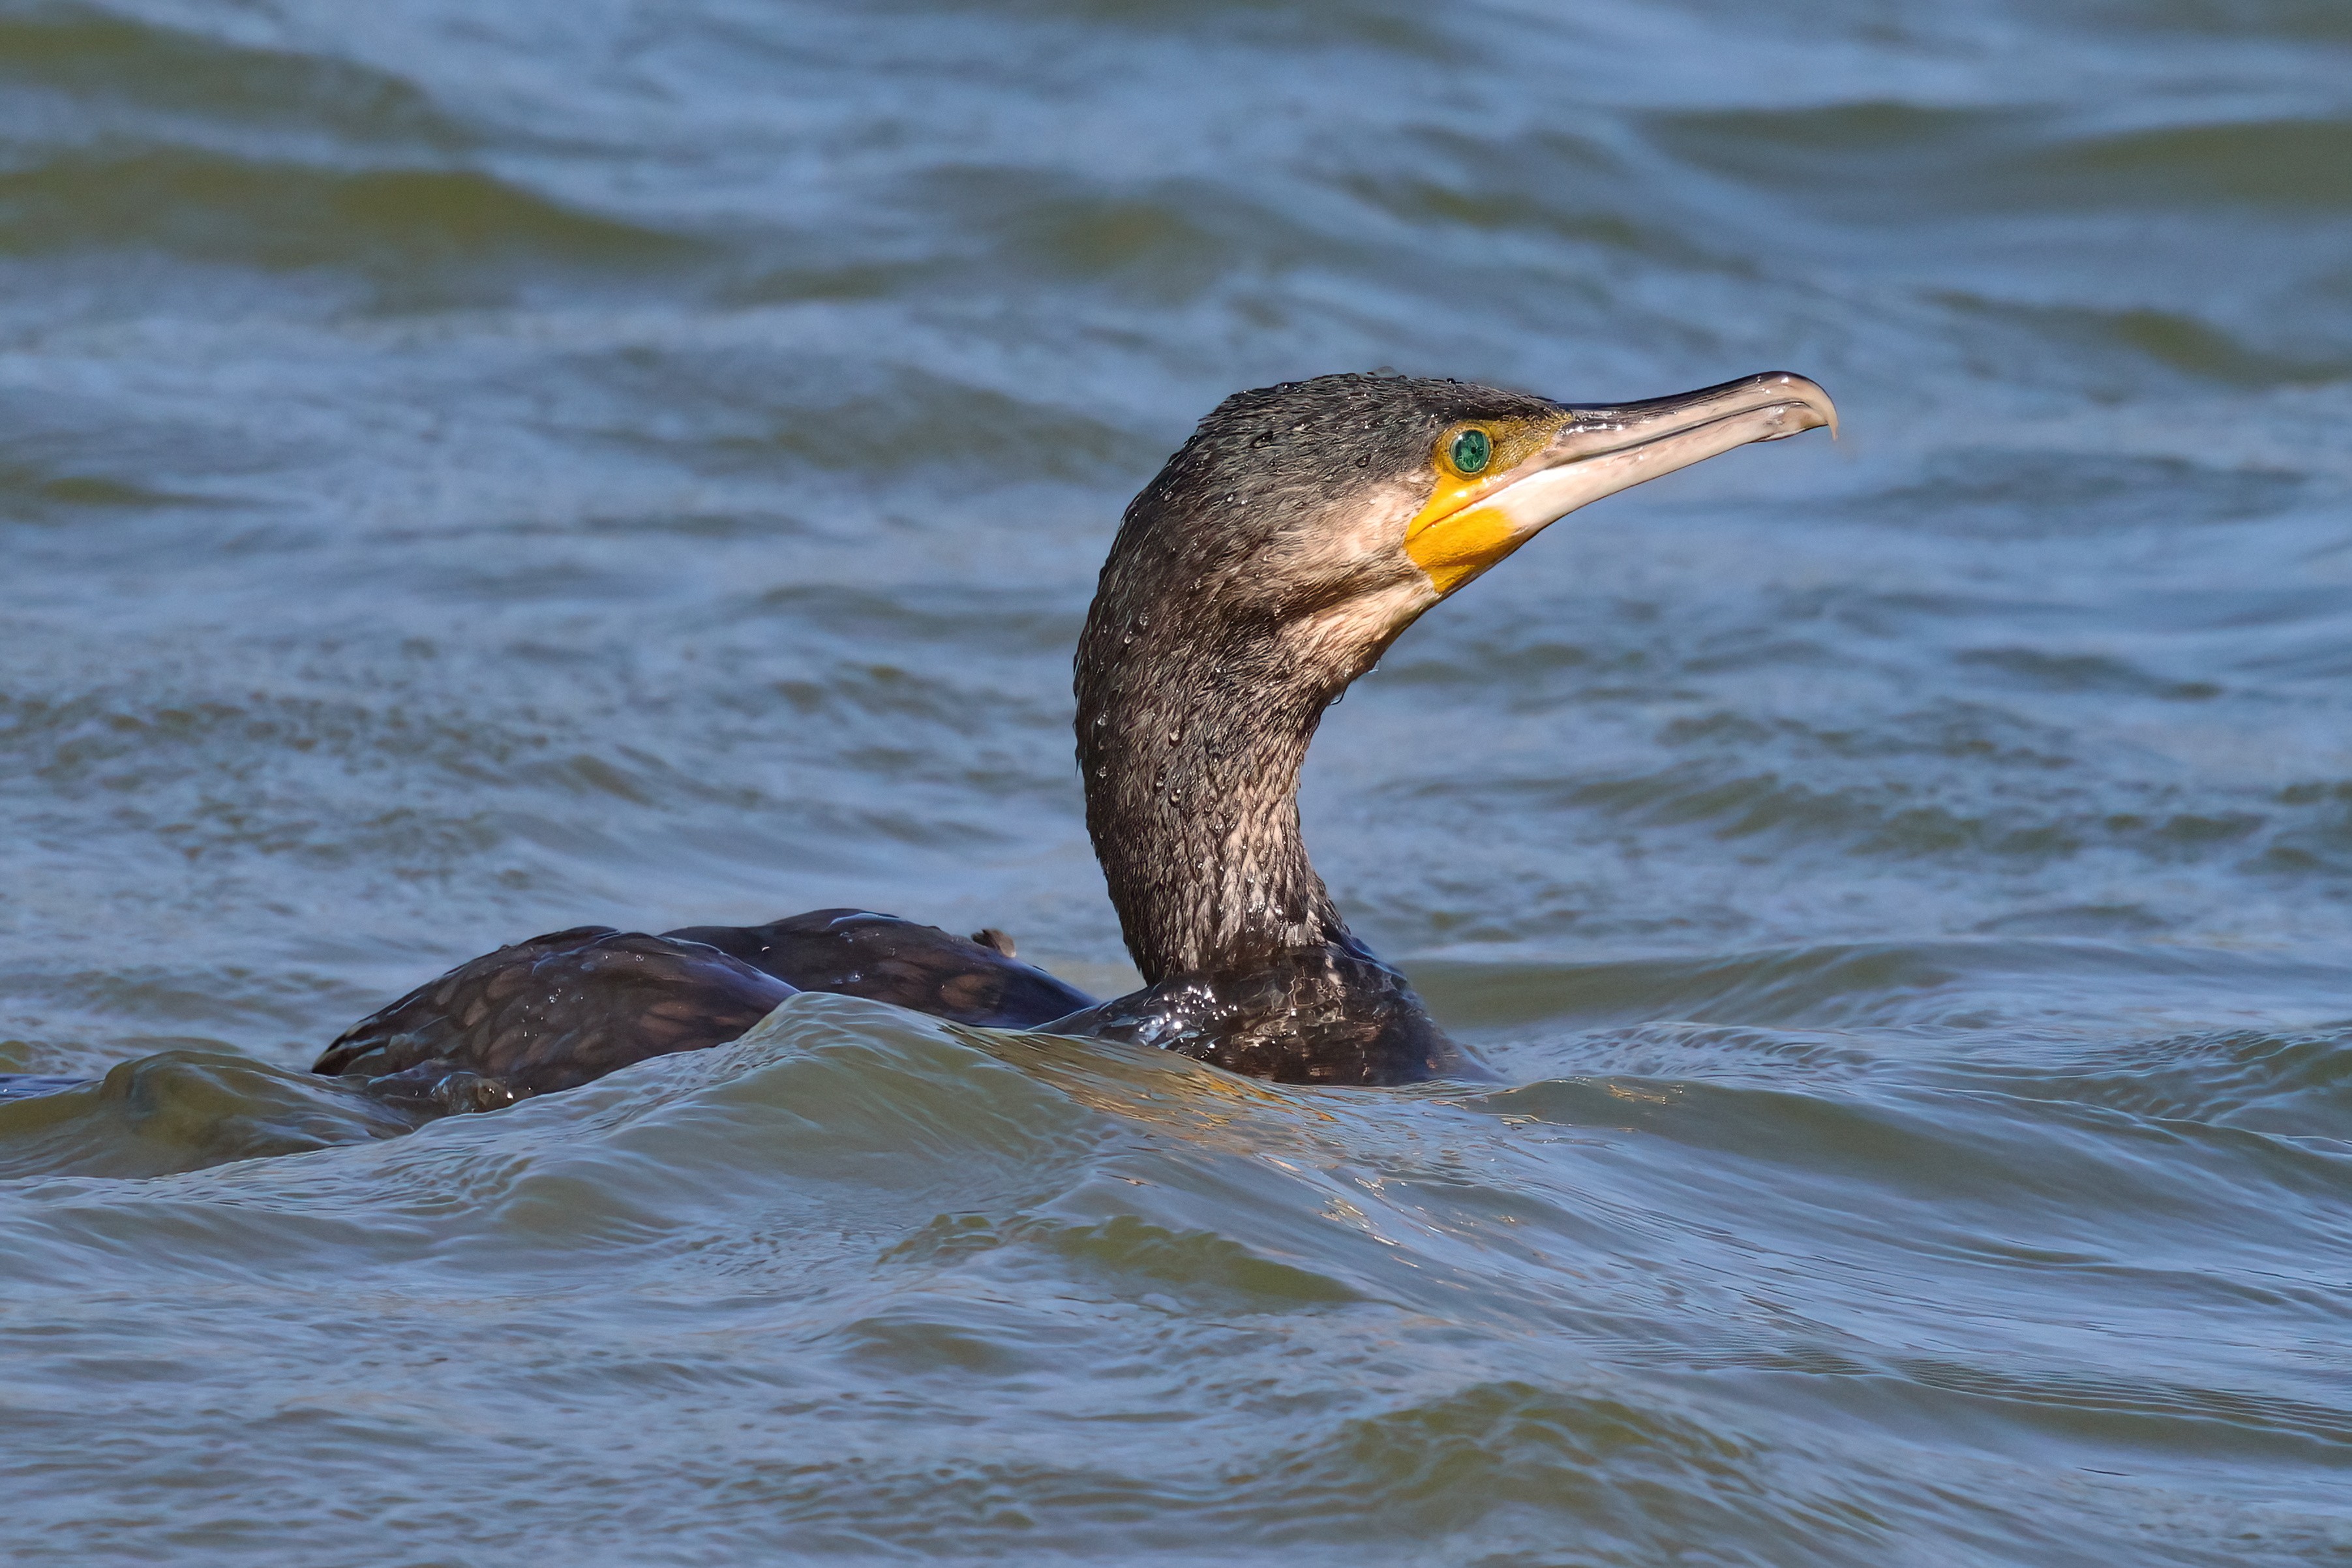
[(1191, 749)]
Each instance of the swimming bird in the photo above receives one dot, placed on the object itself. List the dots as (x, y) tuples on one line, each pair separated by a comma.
[(1279, 552)]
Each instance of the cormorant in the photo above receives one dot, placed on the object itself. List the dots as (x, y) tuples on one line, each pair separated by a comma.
[(1271, 562)]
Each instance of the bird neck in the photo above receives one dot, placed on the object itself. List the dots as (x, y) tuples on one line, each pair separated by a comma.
[(1191, 747)]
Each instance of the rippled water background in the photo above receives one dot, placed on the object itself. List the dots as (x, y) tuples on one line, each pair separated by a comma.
[(470, 469)]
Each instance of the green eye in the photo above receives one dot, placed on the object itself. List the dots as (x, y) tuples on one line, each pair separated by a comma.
[(1471, 449)]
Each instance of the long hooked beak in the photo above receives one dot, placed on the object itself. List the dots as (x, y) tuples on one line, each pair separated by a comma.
[(1599, 450)]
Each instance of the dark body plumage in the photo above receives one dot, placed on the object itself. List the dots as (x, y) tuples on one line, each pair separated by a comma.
[(551, 1013), (856, 953), (1272, 560), (572, 1005)]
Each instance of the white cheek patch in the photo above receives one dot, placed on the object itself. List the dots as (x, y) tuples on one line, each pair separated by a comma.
[(1343, 637), (1333, 539)]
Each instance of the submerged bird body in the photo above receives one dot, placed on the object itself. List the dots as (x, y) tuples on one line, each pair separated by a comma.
[(559, 1010), (1272, 560)]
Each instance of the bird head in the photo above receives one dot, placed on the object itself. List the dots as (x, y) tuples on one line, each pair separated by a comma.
[(1303, 526)]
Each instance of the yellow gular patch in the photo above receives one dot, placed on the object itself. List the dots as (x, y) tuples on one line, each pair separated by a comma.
[(1453, 537), (1456, 547)]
